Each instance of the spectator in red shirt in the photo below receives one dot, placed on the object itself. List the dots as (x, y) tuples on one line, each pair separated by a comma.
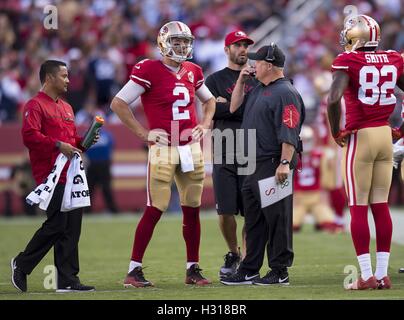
[(48, 129)]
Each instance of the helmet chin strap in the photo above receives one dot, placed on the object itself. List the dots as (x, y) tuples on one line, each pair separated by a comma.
[(355, 45), (177, 58)]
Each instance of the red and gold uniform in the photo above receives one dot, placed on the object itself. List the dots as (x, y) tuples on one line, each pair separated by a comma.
[(309, 196), (169, 104), (369, 100)]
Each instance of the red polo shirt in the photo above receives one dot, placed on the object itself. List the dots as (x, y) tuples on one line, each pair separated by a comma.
[(46, 121)]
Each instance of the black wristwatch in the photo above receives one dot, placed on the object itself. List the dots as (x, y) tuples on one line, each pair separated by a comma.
[(285, 162)]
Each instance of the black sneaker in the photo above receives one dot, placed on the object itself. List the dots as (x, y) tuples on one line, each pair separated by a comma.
[(18, 278), (77, 287), (241, 277), (273, 277), (136, 279), (231, 263)]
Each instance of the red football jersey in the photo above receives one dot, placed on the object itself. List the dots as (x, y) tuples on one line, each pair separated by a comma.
[(308, 179), (369, 97), (169, 97)]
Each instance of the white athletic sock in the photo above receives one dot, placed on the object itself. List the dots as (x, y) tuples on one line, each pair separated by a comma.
[(366, 266), (190, 264), (339, 220), (133, 265), (382, 263)]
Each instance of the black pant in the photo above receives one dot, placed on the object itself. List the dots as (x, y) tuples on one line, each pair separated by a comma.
[(99, 173), (61, 230), (270, 227)]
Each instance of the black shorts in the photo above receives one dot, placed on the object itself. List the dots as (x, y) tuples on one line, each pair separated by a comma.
[(227, 186)]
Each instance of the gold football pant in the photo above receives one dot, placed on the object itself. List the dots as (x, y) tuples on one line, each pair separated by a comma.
[(367, 166), (164, 167), (313, 202)]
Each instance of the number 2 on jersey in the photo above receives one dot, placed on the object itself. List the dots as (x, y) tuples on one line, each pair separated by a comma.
[(378, 94), (177, 115)]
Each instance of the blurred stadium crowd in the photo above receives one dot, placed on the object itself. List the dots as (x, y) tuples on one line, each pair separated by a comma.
[(102, 39)]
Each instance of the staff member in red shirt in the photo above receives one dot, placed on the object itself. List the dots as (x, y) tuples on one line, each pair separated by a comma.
[(48, 129)]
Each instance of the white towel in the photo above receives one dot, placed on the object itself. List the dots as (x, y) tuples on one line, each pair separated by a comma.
[(44, 192), (76, 193), (398, 152), (187, 163)]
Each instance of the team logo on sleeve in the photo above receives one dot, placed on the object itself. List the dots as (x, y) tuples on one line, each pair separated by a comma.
[(191, 76), (290, 116)]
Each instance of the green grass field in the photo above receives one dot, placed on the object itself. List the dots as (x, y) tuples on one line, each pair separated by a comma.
[(105, 247)]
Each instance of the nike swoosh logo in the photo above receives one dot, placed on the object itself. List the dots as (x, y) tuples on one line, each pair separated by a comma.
[(137, 67), (283, 280), (249, 278)]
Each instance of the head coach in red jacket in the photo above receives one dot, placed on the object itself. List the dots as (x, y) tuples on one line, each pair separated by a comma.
[(48, 129)]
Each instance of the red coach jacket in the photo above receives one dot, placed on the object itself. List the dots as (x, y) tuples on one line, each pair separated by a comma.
[(45, 122)]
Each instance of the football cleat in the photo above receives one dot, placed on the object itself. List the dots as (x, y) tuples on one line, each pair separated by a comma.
[(136, 279), (194, 276), (361, 284), (297, 228), (384, 283), (330, 227)]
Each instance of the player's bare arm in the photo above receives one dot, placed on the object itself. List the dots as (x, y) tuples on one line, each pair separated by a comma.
[(237, 97), (122, 110), (339, 84)]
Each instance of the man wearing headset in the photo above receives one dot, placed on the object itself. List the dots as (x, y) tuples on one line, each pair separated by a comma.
[(275, 110)]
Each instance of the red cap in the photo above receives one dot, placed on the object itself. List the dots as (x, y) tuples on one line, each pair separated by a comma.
[(236, 36)]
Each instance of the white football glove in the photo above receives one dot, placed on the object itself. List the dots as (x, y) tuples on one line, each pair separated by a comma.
[(398, 152)]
